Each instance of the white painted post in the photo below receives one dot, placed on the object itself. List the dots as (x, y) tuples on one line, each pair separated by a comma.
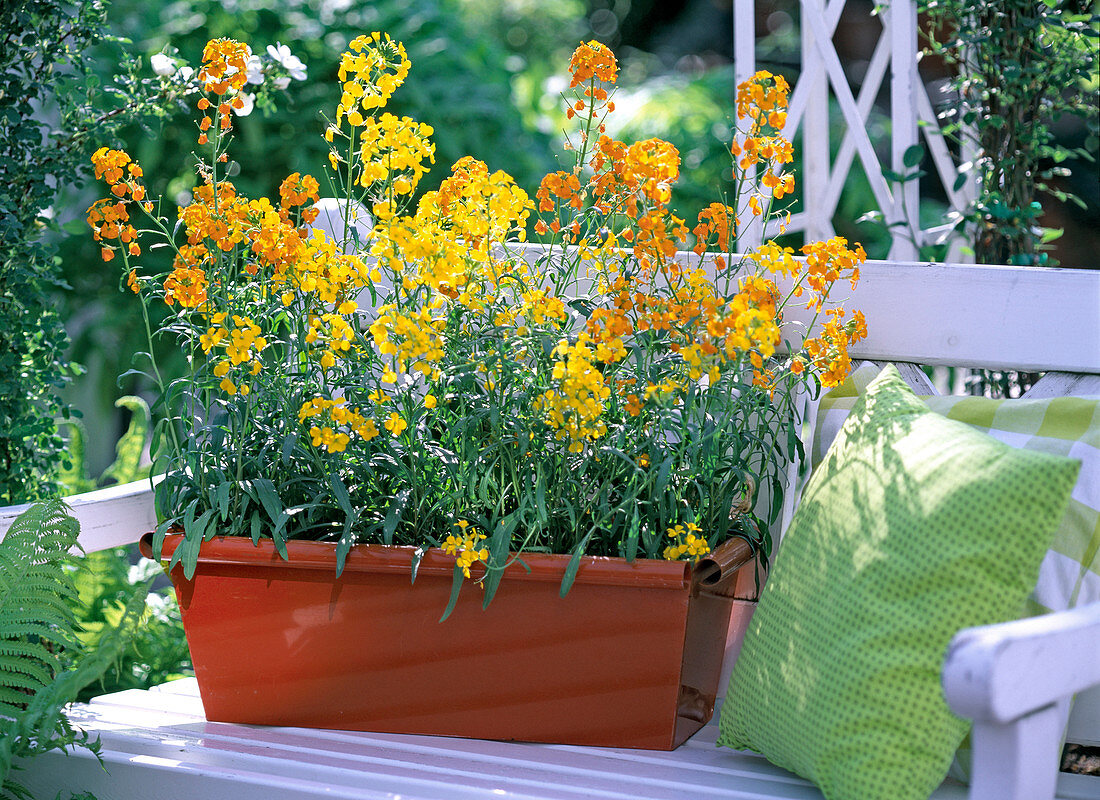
[(901, 25), (815, 127), (744, 67)]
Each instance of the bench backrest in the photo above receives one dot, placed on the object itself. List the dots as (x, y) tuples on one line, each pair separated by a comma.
[(1036, 319)]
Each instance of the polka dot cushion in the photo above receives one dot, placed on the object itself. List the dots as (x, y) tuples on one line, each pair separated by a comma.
[(913, 527)]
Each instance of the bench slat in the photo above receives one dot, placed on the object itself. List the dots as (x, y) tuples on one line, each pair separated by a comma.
[(160, 738)]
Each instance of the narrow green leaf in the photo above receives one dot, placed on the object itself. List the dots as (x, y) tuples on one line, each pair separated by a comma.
[(269, 498), (255, 525), (222, 494), (340, 492), (499, 544), (456, 586), (573, 565), (394, 514), (630, 549), (289, 443)]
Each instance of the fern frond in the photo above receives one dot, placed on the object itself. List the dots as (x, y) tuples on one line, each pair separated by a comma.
[(25, 666), (37, 628), (42, 726), (130, 448), (20, 648), (75, 477), (38, 638)]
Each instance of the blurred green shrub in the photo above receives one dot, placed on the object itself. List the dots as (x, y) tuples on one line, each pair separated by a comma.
[(47, 99)]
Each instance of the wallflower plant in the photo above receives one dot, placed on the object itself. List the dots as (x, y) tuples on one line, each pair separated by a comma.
[(435, 382)]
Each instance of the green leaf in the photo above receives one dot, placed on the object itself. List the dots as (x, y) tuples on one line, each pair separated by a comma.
[(418, 556), (269, 499), (287, 449), (456, 586), (343, 546), (573, 566), (394, 514), (630, 550), (340, 492), (222, 495), (913, 155), (499, 544)]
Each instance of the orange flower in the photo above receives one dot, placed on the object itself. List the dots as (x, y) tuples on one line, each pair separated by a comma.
[(298, 190), (592, 60), (188, 286), (224, 66)]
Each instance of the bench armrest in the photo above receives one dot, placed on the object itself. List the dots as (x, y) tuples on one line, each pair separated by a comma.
[(1015, 681), (117, 515)]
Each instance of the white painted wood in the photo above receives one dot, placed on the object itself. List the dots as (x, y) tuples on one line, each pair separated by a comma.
[(1000, 673), (900, 20), (1018, 761), (937, 148), (157, 744), (1015, 681), (744, 67), (1030, 319), (912, 114), (868, 91), (815, 139), (110, 517), (1062, 384)]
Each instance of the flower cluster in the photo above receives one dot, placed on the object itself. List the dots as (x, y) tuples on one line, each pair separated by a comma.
[(688, 544), (575, 406), (588, 395), (370, 71), (331, 422), (466, 546)]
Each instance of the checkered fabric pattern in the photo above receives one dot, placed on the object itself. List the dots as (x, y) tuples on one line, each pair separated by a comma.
[(1067, 426)]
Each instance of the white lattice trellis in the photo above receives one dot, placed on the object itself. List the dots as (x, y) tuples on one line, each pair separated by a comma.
[(911, 116)]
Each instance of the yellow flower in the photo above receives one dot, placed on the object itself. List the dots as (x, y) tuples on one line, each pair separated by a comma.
[(395, 424), (368, 430), (429, 401)]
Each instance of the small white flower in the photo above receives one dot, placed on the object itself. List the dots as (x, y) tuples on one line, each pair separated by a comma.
[(186, 73), (249, 103), (281, 83), (281, 54), (255, 70), (163, 65)]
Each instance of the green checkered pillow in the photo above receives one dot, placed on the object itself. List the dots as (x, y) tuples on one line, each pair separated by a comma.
[(1068, 426)]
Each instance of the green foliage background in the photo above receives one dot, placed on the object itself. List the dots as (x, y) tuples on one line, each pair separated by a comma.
[(45, 104)]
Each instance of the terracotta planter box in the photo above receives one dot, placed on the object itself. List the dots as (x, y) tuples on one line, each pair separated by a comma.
[(631, 657)]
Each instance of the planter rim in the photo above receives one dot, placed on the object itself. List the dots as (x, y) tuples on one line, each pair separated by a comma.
[(377, 558)]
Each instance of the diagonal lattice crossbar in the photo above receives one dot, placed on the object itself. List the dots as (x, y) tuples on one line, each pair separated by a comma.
[(912, 118)]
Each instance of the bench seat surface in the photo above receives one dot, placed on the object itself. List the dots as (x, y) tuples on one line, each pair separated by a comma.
[(159, 740)]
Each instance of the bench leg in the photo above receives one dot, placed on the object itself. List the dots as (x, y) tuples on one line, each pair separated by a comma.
[(1018, 760)]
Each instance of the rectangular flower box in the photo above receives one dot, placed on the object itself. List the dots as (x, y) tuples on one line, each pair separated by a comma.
[(630, 657)]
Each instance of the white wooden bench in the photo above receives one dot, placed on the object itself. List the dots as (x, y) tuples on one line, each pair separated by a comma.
[(1012, 679)]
